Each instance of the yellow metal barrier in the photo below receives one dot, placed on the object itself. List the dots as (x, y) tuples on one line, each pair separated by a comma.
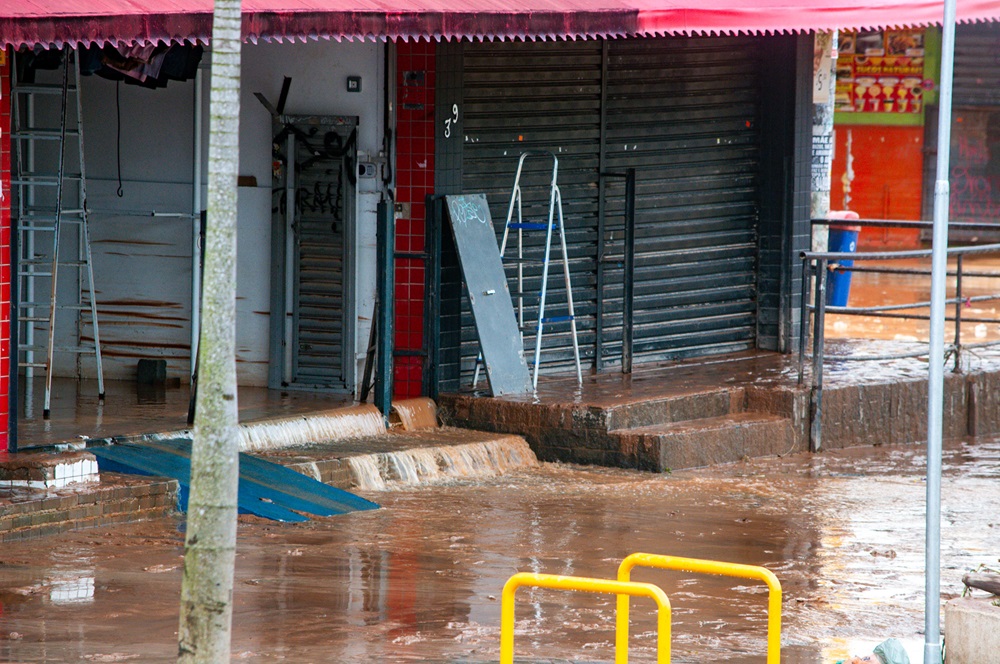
[(624, 589), (701, 567)]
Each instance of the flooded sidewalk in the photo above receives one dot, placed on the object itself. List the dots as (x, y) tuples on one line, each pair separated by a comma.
[(420, 579)]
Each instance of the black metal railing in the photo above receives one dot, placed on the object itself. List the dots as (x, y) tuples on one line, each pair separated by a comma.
[(815, 264)]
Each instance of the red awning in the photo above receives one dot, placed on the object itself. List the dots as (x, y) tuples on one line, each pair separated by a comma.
[(56, 22)]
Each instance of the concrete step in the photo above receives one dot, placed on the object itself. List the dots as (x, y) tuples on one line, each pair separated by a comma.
[(674, 408), (605, 413), (705, 441)]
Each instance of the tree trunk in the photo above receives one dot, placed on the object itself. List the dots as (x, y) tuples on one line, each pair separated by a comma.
[(210, 546)]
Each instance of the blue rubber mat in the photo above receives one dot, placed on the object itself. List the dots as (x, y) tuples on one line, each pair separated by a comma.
[(265, 489)]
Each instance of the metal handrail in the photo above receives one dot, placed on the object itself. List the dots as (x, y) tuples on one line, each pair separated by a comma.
[(699, 566), (815, 263), (589, 585), (897, 223)]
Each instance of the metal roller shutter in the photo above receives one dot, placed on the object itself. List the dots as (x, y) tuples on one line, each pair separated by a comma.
[(977, 65), (683, 113), (546, 97)]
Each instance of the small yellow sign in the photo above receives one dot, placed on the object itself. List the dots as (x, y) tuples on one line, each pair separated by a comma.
[(3, 57)]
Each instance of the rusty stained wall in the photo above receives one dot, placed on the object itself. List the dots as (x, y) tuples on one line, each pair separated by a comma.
[(142, 264)]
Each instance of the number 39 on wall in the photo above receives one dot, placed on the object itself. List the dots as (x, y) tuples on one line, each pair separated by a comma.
[(453, 120)]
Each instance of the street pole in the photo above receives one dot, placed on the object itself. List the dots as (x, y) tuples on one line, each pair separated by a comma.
[(935, 386)]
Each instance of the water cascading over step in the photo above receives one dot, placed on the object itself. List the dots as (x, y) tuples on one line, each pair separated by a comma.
[(427, 465)]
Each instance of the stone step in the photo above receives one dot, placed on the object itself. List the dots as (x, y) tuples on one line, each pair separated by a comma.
[(706, 441)]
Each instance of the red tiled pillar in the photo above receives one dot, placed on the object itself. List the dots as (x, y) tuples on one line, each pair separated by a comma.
[(6, 356), (414, 181)]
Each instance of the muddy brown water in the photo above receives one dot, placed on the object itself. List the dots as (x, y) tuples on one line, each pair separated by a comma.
[(421, 579)]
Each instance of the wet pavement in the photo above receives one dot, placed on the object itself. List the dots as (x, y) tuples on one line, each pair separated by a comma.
[(420, 579), (130, 408)]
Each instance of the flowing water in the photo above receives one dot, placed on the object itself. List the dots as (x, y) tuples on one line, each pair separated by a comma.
[(416, 414), (429, 465), (420, 579)]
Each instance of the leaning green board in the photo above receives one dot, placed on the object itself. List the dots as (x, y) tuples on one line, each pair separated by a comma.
[(492, 309)]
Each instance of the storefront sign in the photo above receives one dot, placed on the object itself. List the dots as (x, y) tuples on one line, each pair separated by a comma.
[(880, 72)]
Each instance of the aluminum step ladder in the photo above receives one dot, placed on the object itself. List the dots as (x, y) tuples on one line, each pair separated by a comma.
[(554, 220), (46, 202)]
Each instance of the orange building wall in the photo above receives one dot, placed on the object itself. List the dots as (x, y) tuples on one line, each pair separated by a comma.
[(887, 165)]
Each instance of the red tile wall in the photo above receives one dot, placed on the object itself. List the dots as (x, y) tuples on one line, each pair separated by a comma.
[(415, 79), (5, 230)]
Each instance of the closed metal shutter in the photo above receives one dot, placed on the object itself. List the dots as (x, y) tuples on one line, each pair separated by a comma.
[(977, 65), (539, 97), (683, 113)]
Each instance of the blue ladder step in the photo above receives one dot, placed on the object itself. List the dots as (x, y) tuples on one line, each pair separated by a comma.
[(558, 319), (530, 226)]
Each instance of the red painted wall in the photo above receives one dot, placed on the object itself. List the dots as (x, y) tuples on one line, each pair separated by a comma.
[(415, 65), (887, 183), (6, 354)]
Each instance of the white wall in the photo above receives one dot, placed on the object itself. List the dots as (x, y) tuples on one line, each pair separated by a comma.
[(319, 72), (143, 264)]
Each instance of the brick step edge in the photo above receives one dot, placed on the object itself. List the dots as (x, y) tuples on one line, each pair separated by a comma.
[(104, 506)]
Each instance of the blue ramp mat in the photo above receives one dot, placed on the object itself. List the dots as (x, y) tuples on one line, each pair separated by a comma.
[(265, 489), (325, 499)]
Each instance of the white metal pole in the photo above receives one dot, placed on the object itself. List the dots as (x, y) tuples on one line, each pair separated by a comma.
[(935, 387), (196, 223)]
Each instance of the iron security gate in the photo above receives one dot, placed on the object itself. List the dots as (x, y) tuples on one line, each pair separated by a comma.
[(321, 181), (684, 113)]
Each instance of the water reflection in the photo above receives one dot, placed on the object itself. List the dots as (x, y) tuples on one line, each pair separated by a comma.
[(420, 580)]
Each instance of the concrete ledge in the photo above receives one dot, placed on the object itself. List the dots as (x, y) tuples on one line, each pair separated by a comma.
[(972, 630)]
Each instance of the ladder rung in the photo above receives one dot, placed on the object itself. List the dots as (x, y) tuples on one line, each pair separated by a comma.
[(44, 261), (49, 176), (40, 88), (61, 307), (558, 319), (33, 274), (74, 349), (41, 134), (32, 349), (530, 226), (44, 180), (33, 365), (33, 319), (58, 349), (66, 217)]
